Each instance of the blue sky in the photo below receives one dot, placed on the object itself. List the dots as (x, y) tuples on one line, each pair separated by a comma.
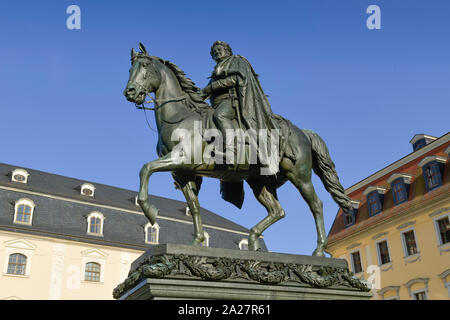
[(366, 92)]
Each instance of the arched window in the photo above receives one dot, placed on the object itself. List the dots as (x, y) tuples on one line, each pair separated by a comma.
[(95, 223), (152, 233), (92, 272), (23, 211), (17, 264)]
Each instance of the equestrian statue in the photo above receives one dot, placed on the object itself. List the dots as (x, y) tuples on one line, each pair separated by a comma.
[(236, 139)]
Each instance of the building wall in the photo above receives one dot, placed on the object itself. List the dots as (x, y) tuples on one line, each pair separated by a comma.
[(56, 268), (404, 275), (431, 261)]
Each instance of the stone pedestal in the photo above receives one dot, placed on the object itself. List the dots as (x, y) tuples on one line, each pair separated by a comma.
[(170, 271)]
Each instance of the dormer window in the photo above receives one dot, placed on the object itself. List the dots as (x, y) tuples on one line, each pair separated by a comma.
[(243, 244), (421, 140), (375, 198), (400, 187), (350, 217), (95, 223), (23, 211), (87, 189), (152, 233), (19, 175), (432, 170)]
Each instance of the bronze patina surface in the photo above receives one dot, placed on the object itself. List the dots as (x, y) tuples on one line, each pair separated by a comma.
[(237, 102)]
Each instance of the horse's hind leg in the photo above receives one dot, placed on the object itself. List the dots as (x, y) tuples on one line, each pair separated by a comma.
[(300, 175), (266, 194), (190, 191)]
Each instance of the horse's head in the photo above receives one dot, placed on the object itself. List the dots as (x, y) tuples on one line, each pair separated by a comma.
[(144, 76)]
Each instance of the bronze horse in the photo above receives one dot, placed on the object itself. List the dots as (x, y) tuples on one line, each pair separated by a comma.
[(178, 104)]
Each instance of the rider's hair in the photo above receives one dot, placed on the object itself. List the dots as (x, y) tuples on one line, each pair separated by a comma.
[(223, 44)]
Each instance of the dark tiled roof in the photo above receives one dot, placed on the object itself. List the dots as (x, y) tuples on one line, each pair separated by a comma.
[(59, 217)]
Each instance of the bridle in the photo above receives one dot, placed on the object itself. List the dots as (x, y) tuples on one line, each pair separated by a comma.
[(157, 103)]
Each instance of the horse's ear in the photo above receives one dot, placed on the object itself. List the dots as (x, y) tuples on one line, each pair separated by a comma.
[(133, 53), (142, 48)]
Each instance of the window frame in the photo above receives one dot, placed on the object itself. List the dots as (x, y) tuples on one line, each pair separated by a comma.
[(403, 191), (435, 171), (353, 263), (90, 271), (149, 226), (24, 265), (24, 202), (21, 172), (424, 291), (89, 187), (97, 215), (434, 162), (374, 194), (377, 245), (404, 244), (437, 230)]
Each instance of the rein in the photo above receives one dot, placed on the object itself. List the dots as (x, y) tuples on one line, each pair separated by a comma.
[(157, 106)]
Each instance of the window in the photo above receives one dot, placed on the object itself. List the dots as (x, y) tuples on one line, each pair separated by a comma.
[(375, 198), (432, 176), (243, 244), (432, 170), (421, 295), (87, 189), (92, 272), (19, 175), (356, 262), (152, 233), (400, 186), (421, 140), (383, 252), (443, 226), (350, 217), (95, 223), (374, 203), (23, 211), (410, 244), (399, 191), (17, 264)]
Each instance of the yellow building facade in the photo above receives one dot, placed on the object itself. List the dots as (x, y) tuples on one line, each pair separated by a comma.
[(398, 235)]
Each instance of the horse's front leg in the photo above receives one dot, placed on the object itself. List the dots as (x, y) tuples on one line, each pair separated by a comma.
[(190, 192), (165, 163)]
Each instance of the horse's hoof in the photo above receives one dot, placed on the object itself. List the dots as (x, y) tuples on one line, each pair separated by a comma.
[(253, 243), (318, 253)]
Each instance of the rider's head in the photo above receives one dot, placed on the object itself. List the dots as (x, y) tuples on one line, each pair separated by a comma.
[(220, 50)]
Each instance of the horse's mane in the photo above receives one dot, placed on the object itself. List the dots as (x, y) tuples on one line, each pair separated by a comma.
[(194, 100)]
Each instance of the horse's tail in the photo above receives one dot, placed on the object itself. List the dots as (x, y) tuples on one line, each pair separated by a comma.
[(324, 167)]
